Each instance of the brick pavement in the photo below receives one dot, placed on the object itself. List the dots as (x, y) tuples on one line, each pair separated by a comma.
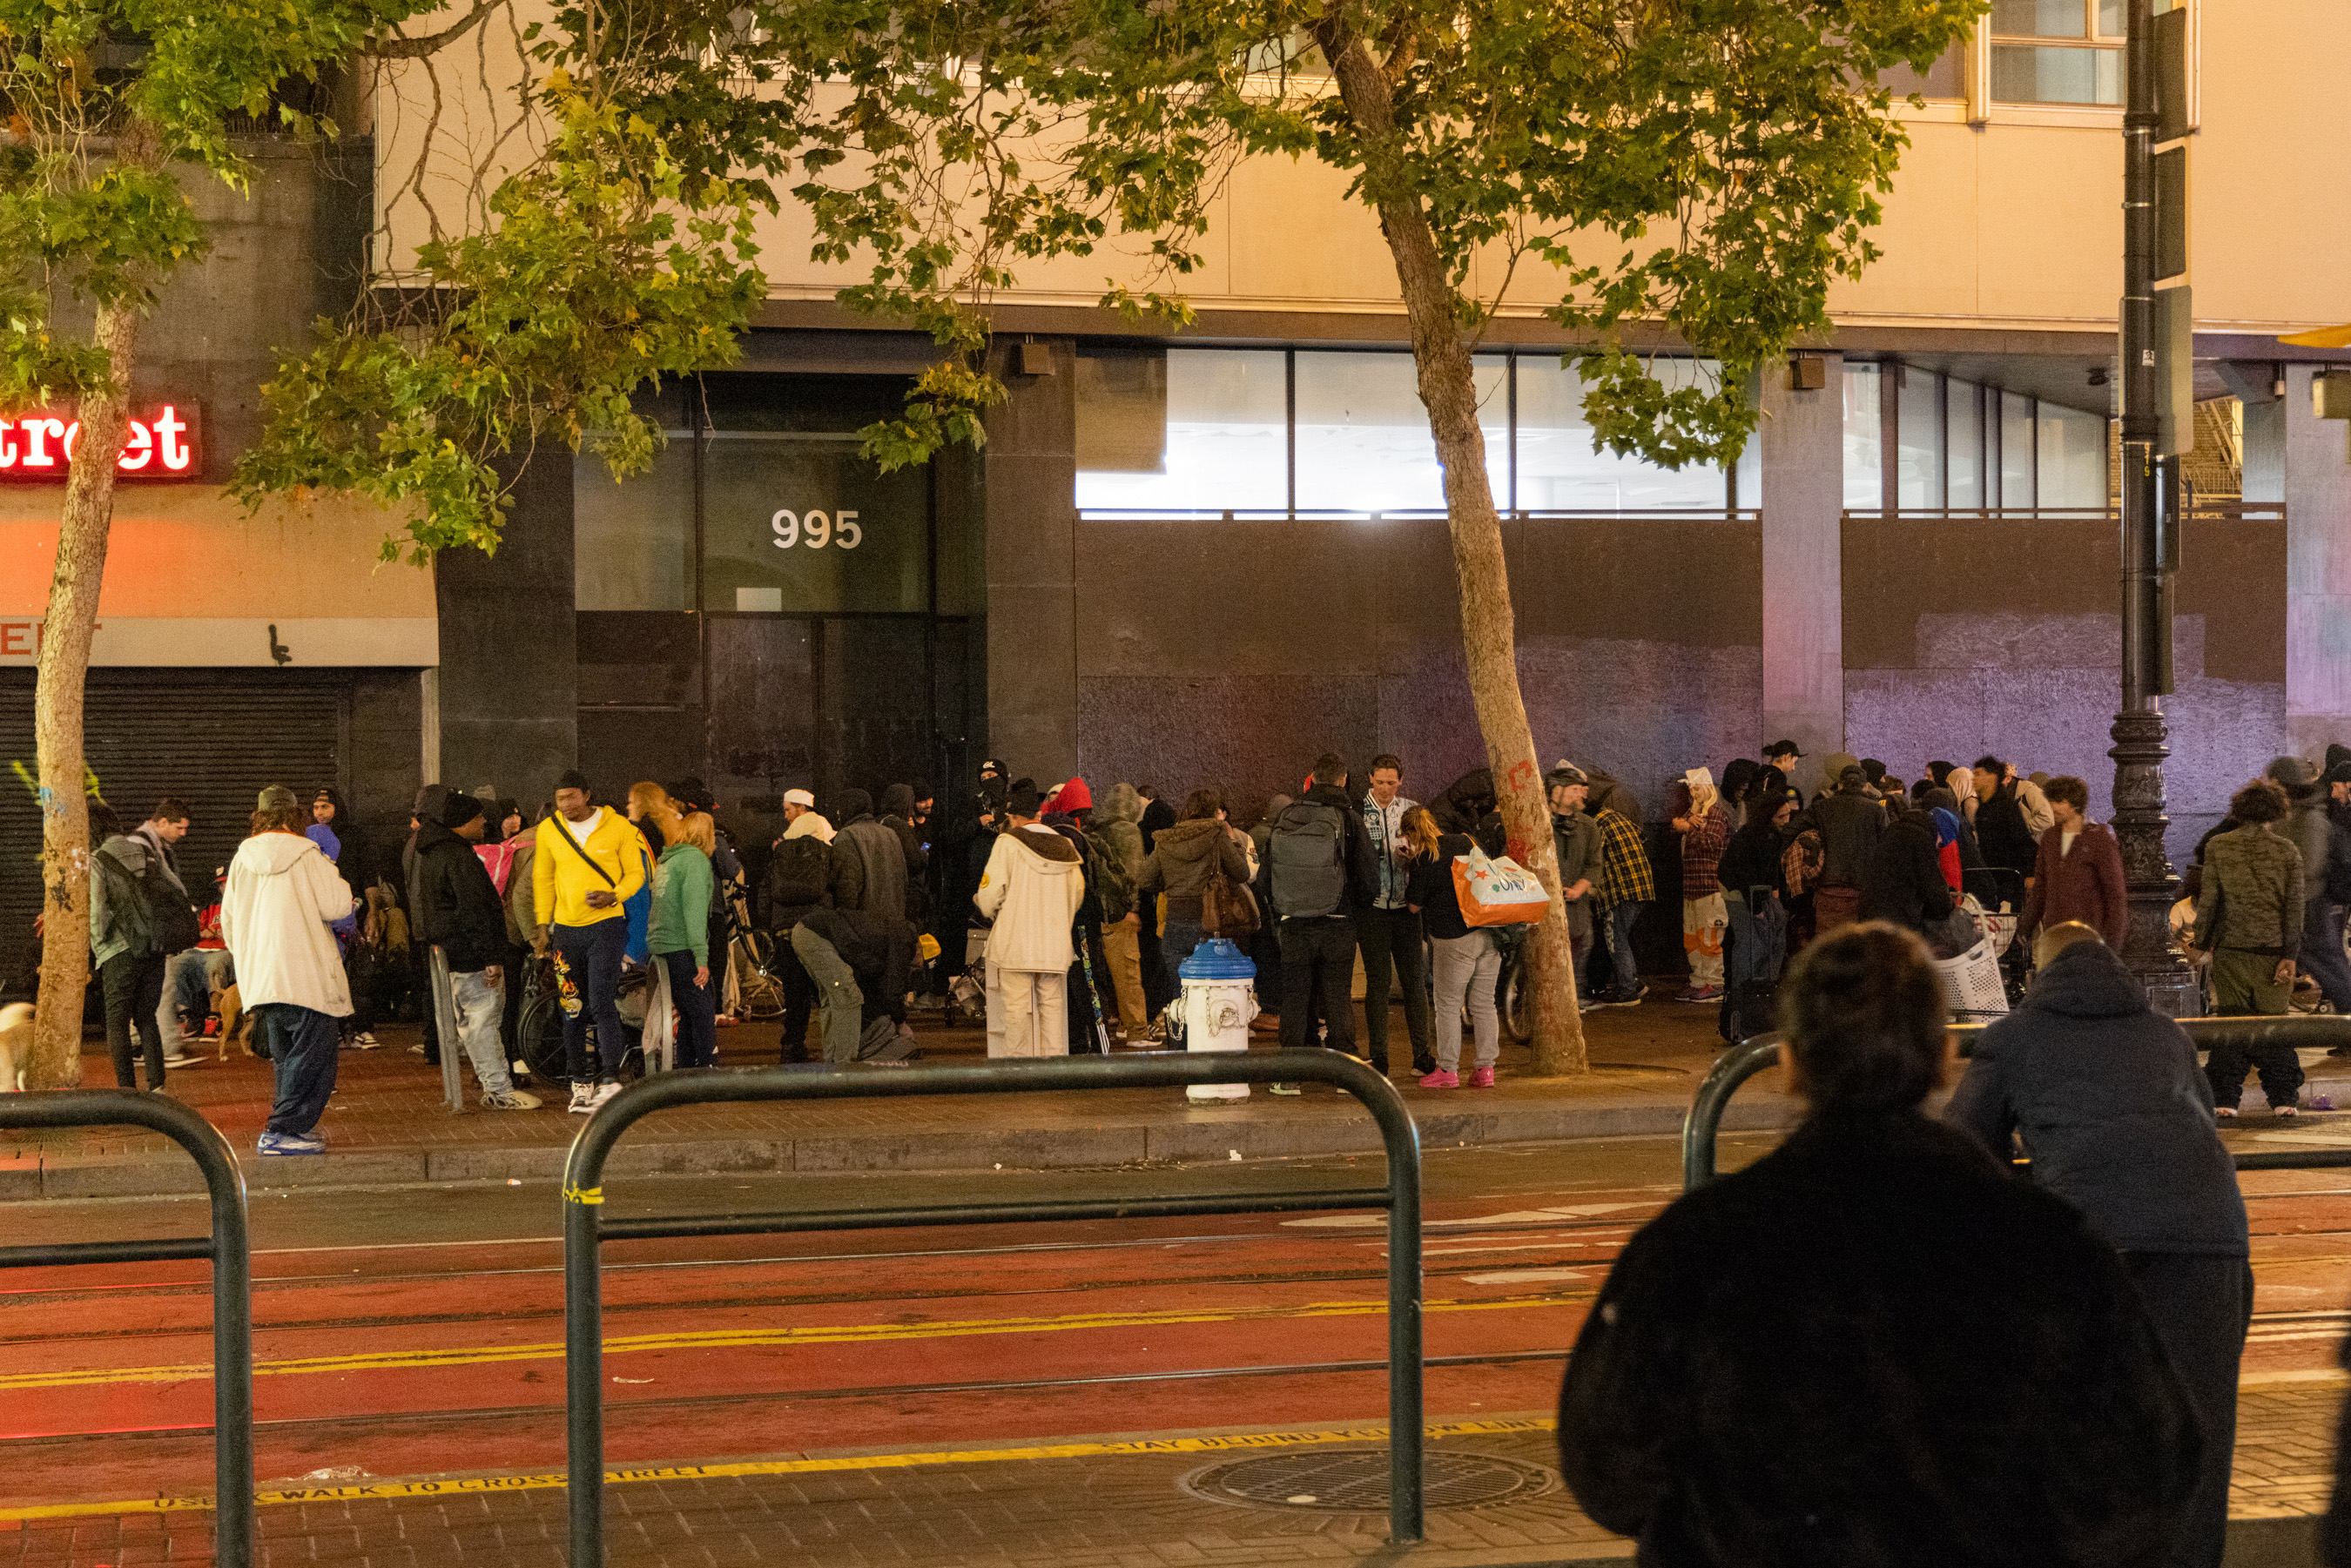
[(1125, 1511), (387, 1124)]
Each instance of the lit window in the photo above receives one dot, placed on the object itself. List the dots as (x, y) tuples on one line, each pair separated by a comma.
[(1865, 440), (1182, 430), (1363, 444), (1561, 470), (2057, 51)]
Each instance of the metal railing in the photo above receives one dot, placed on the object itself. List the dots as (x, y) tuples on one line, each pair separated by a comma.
[(585, 1229), (227, 1248), (1702, 1127), (445, 1018)]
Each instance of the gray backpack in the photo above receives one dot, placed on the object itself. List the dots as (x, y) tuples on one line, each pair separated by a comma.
[(1308, 858)]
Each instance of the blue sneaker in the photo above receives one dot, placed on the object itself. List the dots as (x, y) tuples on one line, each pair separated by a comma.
[(291, 1144)]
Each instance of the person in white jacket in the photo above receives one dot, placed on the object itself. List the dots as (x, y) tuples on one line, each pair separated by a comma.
[(283, 899), (1032, 888)]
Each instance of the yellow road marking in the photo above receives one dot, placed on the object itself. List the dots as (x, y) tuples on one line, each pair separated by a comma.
[(548, 1480), (717, 1339)]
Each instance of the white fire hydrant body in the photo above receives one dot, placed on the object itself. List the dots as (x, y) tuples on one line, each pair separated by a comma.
[(1218, 1003)]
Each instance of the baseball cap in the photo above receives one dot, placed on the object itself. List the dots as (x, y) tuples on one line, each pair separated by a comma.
[(276, 797)]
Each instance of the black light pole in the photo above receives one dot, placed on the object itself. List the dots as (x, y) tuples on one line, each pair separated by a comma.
[(2154, 359)]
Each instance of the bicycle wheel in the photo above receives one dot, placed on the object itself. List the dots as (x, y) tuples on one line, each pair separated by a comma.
[(541, 1028), (1516, 1000), (755, 976)]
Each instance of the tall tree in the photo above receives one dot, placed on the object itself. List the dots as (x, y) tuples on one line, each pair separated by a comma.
[(1707, 165), (602, 260)]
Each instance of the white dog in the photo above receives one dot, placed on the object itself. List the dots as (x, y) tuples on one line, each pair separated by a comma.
[(15, 1045)]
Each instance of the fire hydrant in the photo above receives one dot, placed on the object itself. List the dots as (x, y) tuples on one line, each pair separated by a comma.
[(1214, 1009)]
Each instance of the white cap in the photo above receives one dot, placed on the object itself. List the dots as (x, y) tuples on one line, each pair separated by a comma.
[(799, 797)]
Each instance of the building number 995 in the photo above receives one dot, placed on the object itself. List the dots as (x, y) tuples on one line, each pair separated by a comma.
[(813, 529)]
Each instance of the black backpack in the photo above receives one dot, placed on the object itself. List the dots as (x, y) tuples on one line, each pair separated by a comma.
[(1307, 858), (798, 873)]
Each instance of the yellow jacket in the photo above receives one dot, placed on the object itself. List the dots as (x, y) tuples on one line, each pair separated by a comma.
[(560, 881)]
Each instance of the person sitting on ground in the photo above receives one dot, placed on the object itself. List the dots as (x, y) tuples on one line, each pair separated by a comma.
[(1874, 1347), (2105, 1096), (2249, 913)]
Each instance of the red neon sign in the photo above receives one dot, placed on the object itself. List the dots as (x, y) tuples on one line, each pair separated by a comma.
[(160, 444)]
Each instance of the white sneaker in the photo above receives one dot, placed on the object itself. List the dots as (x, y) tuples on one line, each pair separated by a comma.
[(604, 1091), (363, 1040), (510, 1100), (178, 1057), (583, 1099)]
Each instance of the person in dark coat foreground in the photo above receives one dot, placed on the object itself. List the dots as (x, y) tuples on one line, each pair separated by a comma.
[(2106, 1097), (1872, 1348)]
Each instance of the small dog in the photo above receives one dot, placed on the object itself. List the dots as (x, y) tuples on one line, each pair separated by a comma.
[(15, 1046), (235, 1023)]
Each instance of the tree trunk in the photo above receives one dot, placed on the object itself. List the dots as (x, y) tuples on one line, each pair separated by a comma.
[(58, 708), (1448, 390)]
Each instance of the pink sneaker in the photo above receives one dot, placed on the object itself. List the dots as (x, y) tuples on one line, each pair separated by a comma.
[(1440, 1079), (1482, 1079)]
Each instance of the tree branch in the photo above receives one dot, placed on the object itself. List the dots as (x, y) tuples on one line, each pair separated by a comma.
[(417, 48)]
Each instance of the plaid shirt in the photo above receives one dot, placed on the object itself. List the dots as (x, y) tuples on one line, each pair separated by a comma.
[(1624, 874)]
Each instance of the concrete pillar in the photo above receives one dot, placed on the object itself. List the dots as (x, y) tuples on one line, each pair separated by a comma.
[(1803, 514), (2292, 457), (1030, 484)]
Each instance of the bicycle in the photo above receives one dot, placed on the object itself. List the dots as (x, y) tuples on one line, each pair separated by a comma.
[(541, 1024)]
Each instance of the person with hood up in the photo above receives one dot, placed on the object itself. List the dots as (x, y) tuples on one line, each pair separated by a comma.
[(1158, 969), (1874, 1347), (1705, 829), (1754, 876), (879, 859), (1178, 864), (1904, 884), (277, 915), (338, 836), (1091, 1000), (1849, 820), (459, 911), (1117, 835), (2105, 1096), (1032, 888), (898, 816), (803, 874)]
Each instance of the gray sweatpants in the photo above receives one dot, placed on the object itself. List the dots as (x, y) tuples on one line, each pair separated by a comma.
[(1467, 968)]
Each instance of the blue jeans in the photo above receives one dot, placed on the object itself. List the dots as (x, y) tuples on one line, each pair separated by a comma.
[(2322, 951), (303, 1049), (697, 1012), (187, 996), (481, 1007), (587, 978), (1620, 946)]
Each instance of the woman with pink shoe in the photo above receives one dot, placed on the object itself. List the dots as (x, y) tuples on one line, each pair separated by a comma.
[(1467, 961)]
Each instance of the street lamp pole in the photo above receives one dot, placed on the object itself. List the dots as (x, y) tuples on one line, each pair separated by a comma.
[(2152, 330)]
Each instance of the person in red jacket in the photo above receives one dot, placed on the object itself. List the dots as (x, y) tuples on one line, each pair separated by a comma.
[(2079, 874)]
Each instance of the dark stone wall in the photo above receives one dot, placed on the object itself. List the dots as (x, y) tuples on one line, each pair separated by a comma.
[(509, 669), (1964, 637), (1029, 483), (1231, 653)]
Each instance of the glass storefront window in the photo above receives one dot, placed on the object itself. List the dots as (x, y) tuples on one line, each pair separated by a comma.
[(1963, 442), (2016, 465), (803, 522), (1918, 440), (1559, 470), (1182, 430), (633, 541), (1864, 441), (1363, 435), (2072, 457)]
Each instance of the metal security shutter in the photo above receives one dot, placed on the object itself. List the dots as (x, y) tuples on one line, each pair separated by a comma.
[(211, 740)]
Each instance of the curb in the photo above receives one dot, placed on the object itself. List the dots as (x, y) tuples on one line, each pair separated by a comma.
[(1206, 1136)]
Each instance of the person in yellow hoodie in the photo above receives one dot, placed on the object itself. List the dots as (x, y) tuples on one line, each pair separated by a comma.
[(588, 861)]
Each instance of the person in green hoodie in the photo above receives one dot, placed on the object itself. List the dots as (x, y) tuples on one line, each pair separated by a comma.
[(679, 933)]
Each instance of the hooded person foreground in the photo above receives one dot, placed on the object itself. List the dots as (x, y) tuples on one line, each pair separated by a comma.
[(277, 915), (1031, 891), (1874, 1346)]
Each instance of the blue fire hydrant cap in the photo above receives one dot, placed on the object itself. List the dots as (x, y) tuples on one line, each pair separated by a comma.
[(1217, 959)]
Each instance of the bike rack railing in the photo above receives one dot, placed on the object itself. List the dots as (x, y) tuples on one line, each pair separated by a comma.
[(585, 1229), (228, 1249), (1703, 1125)]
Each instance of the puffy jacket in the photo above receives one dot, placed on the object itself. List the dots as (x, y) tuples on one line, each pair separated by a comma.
[(1178, 863), (457, 904), (1117, 828), (1032, 887), (282, 896), (2109, 1103), (2252, 896), (561, 881)]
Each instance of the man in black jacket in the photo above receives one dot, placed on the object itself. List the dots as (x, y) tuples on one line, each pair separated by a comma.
[(859, 960), (1320, 870), (458, 910), (2107, 1099), (1850, 820)]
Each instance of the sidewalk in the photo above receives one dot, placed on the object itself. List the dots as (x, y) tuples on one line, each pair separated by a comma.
[(388, 1126), (1137, 1500)]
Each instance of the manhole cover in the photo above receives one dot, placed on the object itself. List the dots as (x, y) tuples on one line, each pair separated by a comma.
[(1355, 1481)]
